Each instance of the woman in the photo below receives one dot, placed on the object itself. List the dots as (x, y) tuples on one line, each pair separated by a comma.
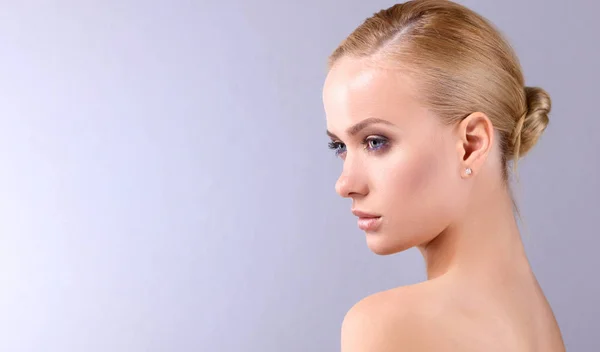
[(426, 106)]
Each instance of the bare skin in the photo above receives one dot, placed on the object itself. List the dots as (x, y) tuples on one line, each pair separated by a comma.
[(406, 170)]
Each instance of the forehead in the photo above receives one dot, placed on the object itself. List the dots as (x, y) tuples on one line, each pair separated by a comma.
[(356, 89)]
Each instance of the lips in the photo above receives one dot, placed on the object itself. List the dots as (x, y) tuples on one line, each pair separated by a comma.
[(367, 221)]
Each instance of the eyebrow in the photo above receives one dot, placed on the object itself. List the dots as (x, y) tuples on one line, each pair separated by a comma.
[(353, 130)]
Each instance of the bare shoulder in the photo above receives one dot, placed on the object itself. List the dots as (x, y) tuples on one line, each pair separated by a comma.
[(410, 318)]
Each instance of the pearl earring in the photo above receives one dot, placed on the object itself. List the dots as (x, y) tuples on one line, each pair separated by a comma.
[(468, 171)]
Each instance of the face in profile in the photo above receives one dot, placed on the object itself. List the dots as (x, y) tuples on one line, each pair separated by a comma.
[(401, 167)]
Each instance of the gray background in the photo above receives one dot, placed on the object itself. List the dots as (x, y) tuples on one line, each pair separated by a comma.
[(165, 183)]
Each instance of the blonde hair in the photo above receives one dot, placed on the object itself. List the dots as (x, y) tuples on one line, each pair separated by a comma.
[(461, 63)]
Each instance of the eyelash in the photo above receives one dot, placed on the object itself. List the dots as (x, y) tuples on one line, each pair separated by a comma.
[(337, 146)]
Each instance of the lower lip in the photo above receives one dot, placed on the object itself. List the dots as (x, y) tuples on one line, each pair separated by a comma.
[(369, 224)]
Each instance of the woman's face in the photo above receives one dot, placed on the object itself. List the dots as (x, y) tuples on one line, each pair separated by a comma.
[(401, 165)]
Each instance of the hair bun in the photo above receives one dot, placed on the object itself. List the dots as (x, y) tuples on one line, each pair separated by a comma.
[(530, 127)]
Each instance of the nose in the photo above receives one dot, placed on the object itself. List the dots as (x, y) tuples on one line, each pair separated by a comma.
[(351, 182)]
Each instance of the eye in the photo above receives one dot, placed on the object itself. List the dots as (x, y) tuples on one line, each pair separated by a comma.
[(375, 143), (337, 147)]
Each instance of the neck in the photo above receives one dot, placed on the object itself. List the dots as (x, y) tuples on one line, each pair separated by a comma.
[(486, 241)]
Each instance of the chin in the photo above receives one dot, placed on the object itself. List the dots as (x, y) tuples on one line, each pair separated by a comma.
[(381, 244)]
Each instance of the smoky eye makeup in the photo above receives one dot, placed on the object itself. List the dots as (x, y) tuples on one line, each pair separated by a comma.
[(337, 147), (372, 143), (376, 143)]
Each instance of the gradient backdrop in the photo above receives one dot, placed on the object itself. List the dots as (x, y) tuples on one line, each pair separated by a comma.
[(165, 183)]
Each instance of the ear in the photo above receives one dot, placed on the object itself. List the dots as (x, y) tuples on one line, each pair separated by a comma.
[(475, 139)]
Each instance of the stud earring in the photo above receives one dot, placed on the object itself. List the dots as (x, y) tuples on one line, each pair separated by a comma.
[(468, 171)]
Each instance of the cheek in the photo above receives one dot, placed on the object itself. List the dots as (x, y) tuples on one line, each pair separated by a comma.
[(414, 176), (417, 190)]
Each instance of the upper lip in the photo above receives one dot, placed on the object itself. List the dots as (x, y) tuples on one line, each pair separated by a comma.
[(362, 214)]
